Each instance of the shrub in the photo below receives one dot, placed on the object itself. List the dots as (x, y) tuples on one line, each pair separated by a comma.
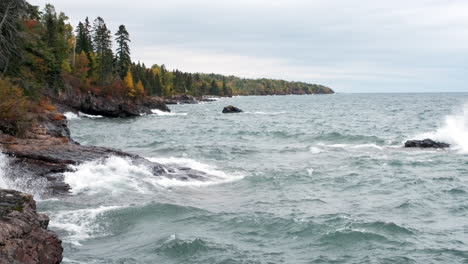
[(14, 108)]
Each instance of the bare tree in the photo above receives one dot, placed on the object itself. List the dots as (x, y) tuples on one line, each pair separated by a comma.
[(11, 12)]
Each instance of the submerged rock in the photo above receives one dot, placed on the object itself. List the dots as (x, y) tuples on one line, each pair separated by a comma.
[(231, 109), (24, 237), (426, 143)]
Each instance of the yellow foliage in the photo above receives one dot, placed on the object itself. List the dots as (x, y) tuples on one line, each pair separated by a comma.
[(140, 89), (128, 80), (66, 66)]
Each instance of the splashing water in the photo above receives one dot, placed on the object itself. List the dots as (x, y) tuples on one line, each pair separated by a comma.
[(3, 167), (454, 131)]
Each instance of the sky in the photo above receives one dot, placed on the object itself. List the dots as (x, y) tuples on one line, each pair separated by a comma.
[(352, 46)]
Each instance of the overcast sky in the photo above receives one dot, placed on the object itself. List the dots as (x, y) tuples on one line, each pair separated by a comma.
[(349, 45)]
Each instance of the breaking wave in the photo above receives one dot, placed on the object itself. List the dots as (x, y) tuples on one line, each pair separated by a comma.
[(71, 115), (216, 176), (454, 131), (81, 224), (162, 113), (117, 175)]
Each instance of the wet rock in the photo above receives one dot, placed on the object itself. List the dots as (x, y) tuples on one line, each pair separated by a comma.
[(46, 151), (181, 99), (24, 237), (231, 109), (92, 104), (426, 143)]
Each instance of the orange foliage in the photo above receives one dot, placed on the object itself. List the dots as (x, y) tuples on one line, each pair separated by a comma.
[(30, 23)]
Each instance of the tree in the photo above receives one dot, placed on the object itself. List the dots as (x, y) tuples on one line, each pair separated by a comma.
[(140, 89), (103, 48), (214, 89), (10, 13), (128, 80), (123, 51), (81, 66)]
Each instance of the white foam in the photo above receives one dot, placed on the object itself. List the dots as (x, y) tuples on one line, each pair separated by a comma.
[(90, 116), (454, 131), (162, 113), (215, 176), (71, 115), (80, 224), (310, 171), (4, 182), (113, 175), (351, 146), (116, 175), (315, 150)]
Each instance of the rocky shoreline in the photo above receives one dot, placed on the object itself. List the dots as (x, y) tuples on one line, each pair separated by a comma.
[(24, 237), (41, 156)]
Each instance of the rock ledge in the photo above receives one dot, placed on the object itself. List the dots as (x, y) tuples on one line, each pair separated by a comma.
[(24, 237)]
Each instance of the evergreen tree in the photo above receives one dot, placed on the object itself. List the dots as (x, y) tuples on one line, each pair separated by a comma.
[(103, 48), (10, 48), (214, 89), (123, 51)]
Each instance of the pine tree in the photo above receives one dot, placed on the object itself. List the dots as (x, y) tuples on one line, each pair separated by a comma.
[(214, 89), (10, 49), (123, 51), (103, 48)]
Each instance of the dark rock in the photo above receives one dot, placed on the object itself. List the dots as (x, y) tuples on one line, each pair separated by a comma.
[(426, 143), (209, 98), (24, 237), (92, 104), (231, 109), (46, 151), (181, 99)]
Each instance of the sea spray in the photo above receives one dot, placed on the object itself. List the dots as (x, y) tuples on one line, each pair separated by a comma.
[(215, 175), (454, 131), (4, 182), (116, 175)]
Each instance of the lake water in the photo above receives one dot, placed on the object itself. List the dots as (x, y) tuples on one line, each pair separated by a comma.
[(293, 179)]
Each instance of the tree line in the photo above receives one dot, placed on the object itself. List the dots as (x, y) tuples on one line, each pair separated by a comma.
[(42, 52)]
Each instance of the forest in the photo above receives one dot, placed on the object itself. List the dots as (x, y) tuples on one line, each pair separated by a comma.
[(41, 52)]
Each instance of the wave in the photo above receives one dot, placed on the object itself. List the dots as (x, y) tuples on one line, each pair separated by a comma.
[(162, 113), (346, 146), (37, 186), (81, 224), (216, 176), (4, 182), (454, 131), (179, 248), (71, 115), (116, 175), (266, 113)]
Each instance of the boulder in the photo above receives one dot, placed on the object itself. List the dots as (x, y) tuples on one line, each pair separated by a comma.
[(426, 143), (231, 109), (24, 237)]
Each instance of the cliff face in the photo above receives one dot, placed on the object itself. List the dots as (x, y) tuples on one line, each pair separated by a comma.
[(24, 237), (109, 106)]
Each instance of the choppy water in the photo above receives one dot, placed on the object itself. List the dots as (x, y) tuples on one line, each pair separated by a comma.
[(294, 179)]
